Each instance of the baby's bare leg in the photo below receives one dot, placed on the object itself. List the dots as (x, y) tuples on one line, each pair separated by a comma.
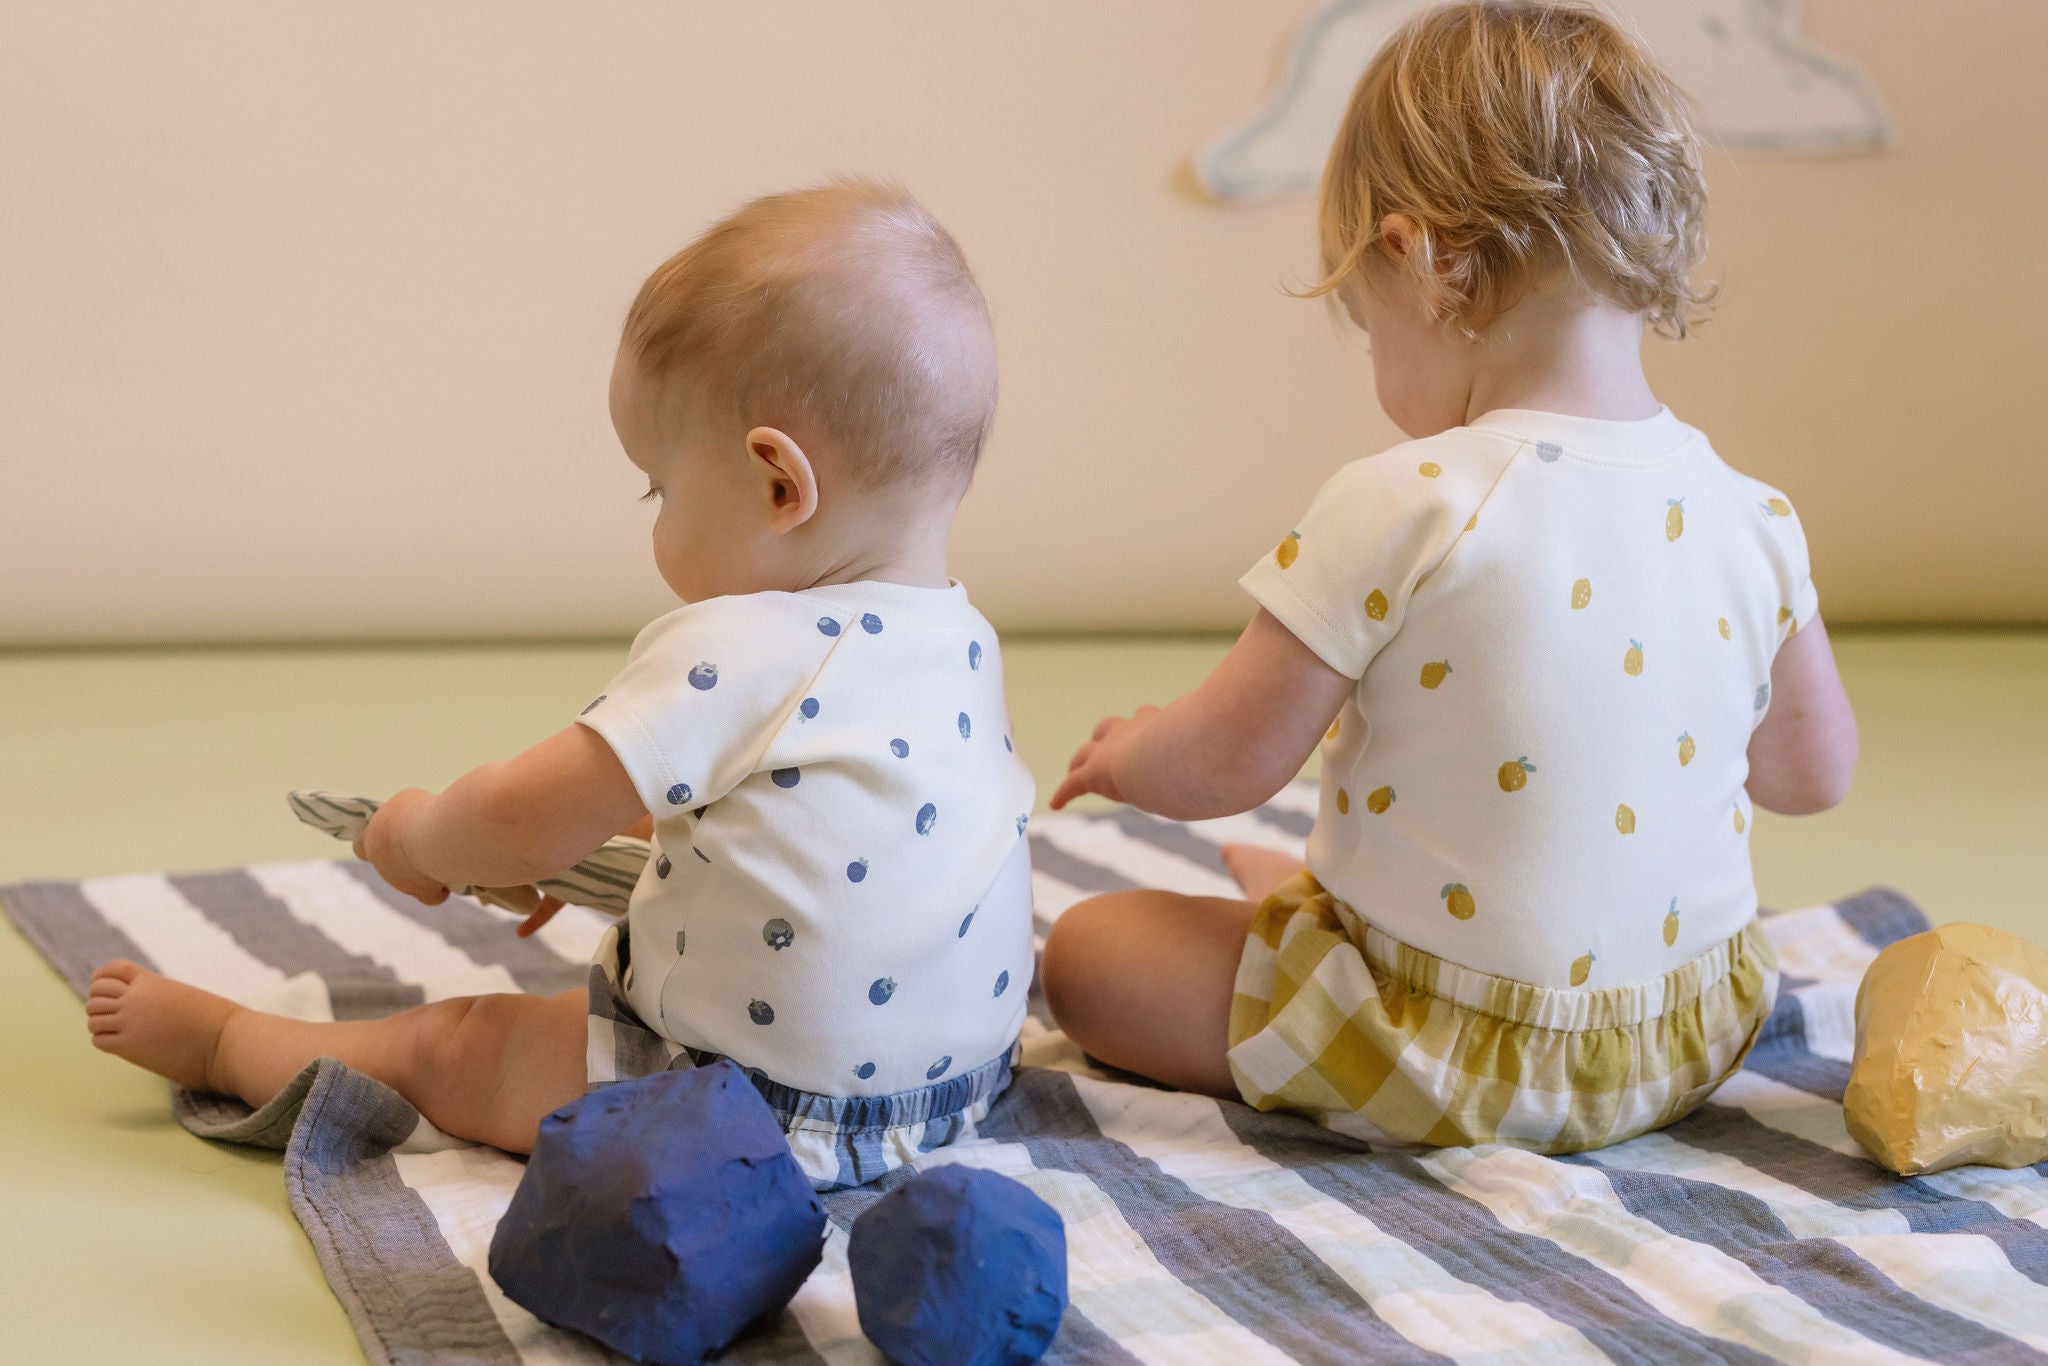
[(1258, 870), (1143, 980), (486, 1068)]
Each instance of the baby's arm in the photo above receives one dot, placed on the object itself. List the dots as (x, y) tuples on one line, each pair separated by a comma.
[(505, 824), (1802, 756), (1225, 747)]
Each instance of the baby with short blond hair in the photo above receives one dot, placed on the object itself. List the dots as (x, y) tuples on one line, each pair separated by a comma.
[(817, 741), (1553, 651)]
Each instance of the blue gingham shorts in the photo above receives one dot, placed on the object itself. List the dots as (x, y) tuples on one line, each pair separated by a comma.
[(839, 1141)]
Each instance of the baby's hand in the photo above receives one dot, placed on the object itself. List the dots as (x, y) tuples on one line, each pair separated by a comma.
[(1092, 769), (382, 845)]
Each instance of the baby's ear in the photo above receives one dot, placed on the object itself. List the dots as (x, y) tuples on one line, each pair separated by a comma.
[(789, 487)]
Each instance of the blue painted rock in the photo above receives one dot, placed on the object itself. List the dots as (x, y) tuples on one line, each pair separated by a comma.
[(661, 1216), (960, 1267)]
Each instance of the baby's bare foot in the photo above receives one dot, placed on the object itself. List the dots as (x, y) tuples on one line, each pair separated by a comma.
[(1257, 870), (169, 1027)]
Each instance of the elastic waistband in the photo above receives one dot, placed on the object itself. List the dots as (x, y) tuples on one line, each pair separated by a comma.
[(1566, 1009), (807, 1110)]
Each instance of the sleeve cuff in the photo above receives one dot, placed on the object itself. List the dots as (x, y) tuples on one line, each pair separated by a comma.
[(1329, 642)]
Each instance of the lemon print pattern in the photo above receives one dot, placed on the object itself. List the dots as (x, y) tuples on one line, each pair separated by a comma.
[(1632, 662), (1674, 518), (1343, 802), (1458, 901), (1625, 819), (1582, 593), (1290, 546), (1724, 628), (1582, 968), (1379, 799), (1472, 522), (1376, 605), (1514, 774), (1434, 671), (1740, 823), (1776, 507), (1686, 749), (1331, 734), (1671, 924), (1429, 469)]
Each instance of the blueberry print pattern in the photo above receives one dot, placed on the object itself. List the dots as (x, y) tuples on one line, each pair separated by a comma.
[(707, 694), (969, 920)]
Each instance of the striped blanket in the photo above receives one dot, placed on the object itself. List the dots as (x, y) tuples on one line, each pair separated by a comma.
[(1199, 1231)]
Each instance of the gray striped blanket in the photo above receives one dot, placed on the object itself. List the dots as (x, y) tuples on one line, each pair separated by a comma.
[(1199, 1231)]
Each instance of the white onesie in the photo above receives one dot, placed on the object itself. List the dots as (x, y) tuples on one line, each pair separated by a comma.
[(1563, 631), (841, 894)]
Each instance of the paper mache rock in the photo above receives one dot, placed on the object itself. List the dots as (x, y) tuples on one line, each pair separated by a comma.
[(960, 1267), (661, 1216), (1951, 1062)]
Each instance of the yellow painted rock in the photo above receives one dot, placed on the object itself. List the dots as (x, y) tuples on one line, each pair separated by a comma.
[(1686, 749), (1434, 671), (1429, 469), (1671, 924), (1582, 593), (1740, 824), (1376, 605), (1625, 819), (1724, 628), (1632, 662), (1289, 548), (1951, 1061), (1457, 900), (1514, 774), (1674, 518), (1379, 799), (1582, 968), (1343, 802)]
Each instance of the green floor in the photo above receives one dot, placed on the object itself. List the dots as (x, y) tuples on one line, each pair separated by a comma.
[(132, 1238)]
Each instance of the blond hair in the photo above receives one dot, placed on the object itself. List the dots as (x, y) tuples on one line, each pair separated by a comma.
[(842, 314), (1521, 138)]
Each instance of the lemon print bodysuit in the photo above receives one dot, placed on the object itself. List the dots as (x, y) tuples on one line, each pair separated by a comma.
[(1562, 699)]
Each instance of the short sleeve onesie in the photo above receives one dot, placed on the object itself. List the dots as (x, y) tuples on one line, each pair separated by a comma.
[(1562, 630), (840, 896)]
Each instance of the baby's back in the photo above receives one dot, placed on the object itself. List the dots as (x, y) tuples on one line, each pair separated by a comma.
[(841, 894), (1563, 630)]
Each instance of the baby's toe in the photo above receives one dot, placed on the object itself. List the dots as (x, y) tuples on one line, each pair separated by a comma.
[(115, 975)]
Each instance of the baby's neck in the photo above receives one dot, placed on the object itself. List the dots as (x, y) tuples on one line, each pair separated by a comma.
[(914, 553), (1563, 354)]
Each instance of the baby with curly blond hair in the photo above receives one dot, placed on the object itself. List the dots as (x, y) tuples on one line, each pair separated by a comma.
[(1554, 650)]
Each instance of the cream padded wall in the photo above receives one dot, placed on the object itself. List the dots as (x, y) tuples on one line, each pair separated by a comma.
[(309, 308)]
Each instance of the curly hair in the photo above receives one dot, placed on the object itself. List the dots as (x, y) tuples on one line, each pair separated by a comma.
[(1523, 139)]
